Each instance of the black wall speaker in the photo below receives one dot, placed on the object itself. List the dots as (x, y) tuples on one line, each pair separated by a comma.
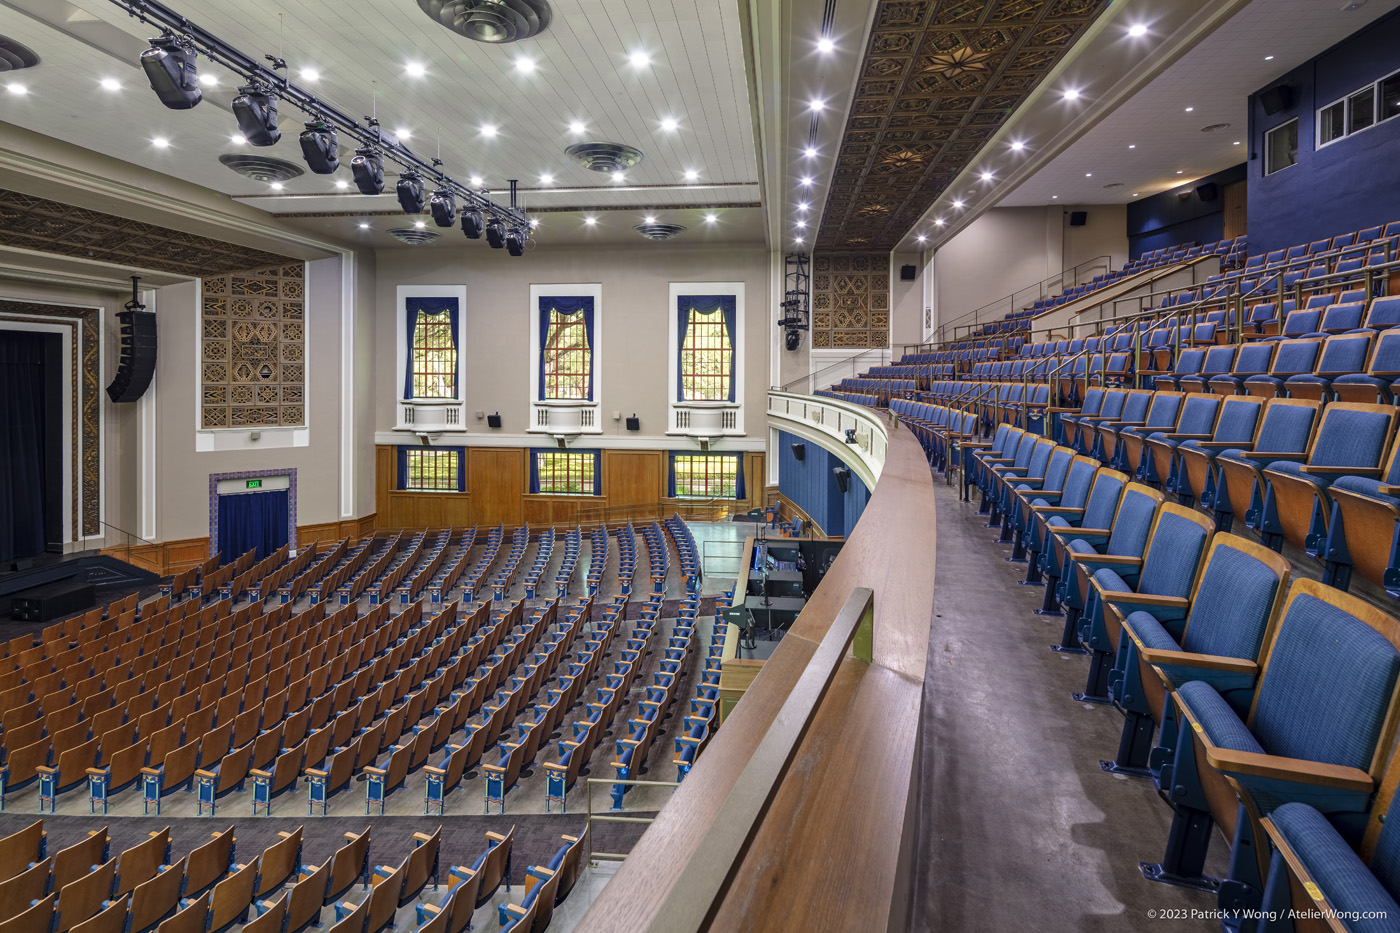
[(1277, 98), (843, 478), (908, 273), (1078, 218), (1208, 192), (634, 423), (799, 451), (138, 356), (493, 421)]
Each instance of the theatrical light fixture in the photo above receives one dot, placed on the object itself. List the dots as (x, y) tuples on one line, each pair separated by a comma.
[(209, 80), (320, 146), (411, 192), (170, 67), (368, 169), (515, 242), (111, 84), (443, 207), (495, 233), (472, 224), (825, 45), (255, 108)]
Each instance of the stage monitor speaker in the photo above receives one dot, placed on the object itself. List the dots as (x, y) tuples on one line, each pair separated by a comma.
[(908, 273), (493, 421), (137, 364), (1276, 99), (1208, 192), (634, 423), (1078, 218)]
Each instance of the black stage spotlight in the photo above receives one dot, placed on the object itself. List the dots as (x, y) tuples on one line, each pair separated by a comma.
[(472, 224), (792, 339), (443, 207), (411, 192), (368, 169), (170, 67), (320, 147), (495, 233), (515, 242), (255, 108)]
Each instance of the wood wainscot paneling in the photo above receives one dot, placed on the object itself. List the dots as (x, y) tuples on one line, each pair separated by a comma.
[(559, 510), (634, 477), (788, 510), (496, 481), (409, 509)]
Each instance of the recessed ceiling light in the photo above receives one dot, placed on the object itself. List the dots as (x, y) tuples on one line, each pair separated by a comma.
[(160, 142), (17, 89), (208, 80), (238, 139), (1137, 29), (1017, 145), (577, 128), (403, 132), (986, 176), (670, 124), (938, 221), (816, 105), (810, 153), (710, 218), (922, 238), (546, 179), (111, 84), (797, 239), (276, 186), (415, 69), (1053, 196), (590, 221), (1189, 109), (309, 74), (1071, 94), (1181, 173), (420, 224), (802, 225), (524, 64), (534, 222), (1088, 174), (476, 181), (649, 219), (619, 176), (342, 184), (825, 45), (1132, 145), (802, 206), (1236, 143), (958, 204), (1135, 194), (691, 175), (364, 226), (1268, 58), (639, 60), (806, 180), (488, 130)]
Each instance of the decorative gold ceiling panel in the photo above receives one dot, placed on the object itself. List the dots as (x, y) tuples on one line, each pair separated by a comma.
[(939, 78), (51, 227)]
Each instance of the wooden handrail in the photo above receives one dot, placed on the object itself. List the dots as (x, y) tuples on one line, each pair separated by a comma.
[(832, 846)]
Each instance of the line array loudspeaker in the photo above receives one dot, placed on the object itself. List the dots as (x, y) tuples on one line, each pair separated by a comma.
[(138, 356)]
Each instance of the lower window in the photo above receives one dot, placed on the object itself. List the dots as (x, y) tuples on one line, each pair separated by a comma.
[(706, 476), (430, 469), (571, 473)]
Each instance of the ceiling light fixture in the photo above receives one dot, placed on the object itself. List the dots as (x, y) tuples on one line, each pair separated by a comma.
[(160, 142), (691, 175), (649, 219), (938, 221), (1189, 109), (958, 204), (534, 222), (1088, 174), (525, 65), (415, 70), (639, 60), (710, 218), (670, 124), (488, 130), (1053, 196), (797, 239), (276, 186), (1132, 145), (577, 128), (476, 181), (237, 139), (342, 184), (590, 221), (111, 84), (209, 80), (1235, 143), (802, 206), (619, 176), (420, 224), (825, 45), (816, 105), (806, 180), (309, 74), (1071, 94), (986, 176), (546, 179), (1137, 30), (1268, 58), (364, 226), (922, 239), (1181, 173), (1017, 145), (810, 153), (802, 225)]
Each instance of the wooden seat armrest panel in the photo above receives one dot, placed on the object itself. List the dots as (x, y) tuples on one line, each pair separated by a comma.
[(1317, 469), (1271, 455), (1277, 768), (1118, 560), (1144, 599)]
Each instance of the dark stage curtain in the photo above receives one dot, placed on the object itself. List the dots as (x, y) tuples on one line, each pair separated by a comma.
[(252, 520), (22, 466)]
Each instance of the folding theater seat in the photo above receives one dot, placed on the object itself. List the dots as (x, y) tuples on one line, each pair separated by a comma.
[(1096, 518), (1102, 441), (1215, 635), (1292, 358), (1193, 458), (1218, 362), (1236, 483), (1064, 505), (1029, 471), (1021, 490), (1082, 552), (1363, 529), (1078, 431), (1310, 736), (1016, 460), (1352, 439), (1188, 363), (1340, 318), (1251, 359), (1342, 355), (1376, 383), (1154, 460), (1384, 313), (1163, 416), (981, 457)]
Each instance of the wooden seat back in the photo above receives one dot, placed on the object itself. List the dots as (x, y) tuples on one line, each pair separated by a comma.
[(270, 920), (78, 859), (38, 916), (384, 898), (349, 864), (422, 864), (154, 899), (139, 864), (209, 863), (192, 919), (356, 921), (82, 898), (493, 867), (306, 898), (230, 899), (18, 850), (30, 885), (279, 862), (571, 865)]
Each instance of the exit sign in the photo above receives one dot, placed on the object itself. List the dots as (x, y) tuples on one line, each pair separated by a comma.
[(254, 484)]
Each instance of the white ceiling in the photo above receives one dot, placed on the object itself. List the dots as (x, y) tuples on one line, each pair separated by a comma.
[(697, 76), (1215, 77)]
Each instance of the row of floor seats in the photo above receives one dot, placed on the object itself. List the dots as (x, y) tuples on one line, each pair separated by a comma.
[(1226, 674)]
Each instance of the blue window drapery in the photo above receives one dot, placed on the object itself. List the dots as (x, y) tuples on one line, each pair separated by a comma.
[(567, 305), (461, 467), (415, 307), (252, 520), (535, 467), (705, 304), (738, 458)]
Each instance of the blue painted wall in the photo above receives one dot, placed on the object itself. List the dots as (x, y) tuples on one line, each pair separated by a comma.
[(810, 483), (1345, 186), (1167, 219)]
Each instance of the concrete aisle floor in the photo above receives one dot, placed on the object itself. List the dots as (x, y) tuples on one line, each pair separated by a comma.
[(1023, 828)]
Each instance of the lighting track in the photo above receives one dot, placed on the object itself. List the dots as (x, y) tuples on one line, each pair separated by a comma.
[(366, 134)]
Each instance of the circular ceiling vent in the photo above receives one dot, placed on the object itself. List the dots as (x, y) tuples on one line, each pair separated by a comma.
[(413, 235), (493, 21), (659, 231), (1215, 127), (15, 55), (261, 168), (604, 157)]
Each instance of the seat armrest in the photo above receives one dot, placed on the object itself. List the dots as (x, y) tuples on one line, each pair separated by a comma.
[(1319, 469), (1386, 489), (1267, 455), (1117, 560), (1053, 510), (1145, 599), (1277, 768), (1187, 437)]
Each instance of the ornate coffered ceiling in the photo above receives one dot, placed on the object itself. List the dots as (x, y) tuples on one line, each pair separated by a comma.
[(48, 226), (938, 79)]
